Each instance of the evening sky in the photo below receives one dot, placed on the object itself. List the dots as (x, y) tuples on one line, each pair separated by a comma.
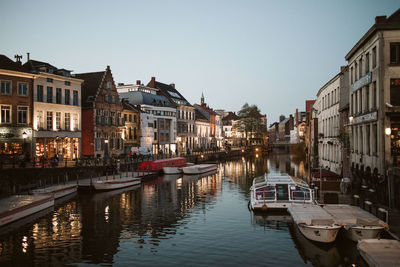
[(275, 54)]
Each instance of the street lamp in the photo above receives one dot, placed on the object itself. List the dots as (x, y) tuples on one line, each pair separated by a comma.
[(106, 149), (24, 136), (388, 131)]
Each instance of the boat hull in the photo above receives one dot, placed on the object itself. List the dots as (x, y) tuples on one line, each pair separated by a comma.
[(320, 233), (56, 191), (198, 169), (26, 210), (172, 170), (357, 233), (115, 184)]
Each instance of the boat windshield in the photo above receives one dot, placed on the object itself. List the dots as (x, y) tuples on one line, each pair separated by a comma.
[(300, 193), (265, 193)]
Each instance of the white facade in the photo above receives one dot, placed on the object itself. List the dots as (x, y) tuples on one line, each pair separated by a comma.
[(146, 133), (164, 126), (202, 139), (327, 104), (57, 115)]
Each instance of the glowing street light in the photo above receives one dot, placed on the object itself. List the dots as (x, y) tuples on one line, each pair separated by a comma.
[(388, 131)]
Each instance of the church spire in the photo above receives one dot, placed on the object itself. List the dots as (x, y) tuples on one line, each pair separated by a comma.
[(202, 98)]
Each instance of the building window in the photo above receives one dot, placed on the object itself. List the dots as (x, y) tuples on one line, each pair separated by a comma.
[(360, 72), (374, 57), (367, 63), (67, 97), (22, 89), (375, 139), (395, 92), (361, 100), (155, 135), (134, 118), (58, 120), (75, 98), (67, 83), (58, 95), (49, 121), (39, 93), (130, 117), (355, 72), (367, 98), (108, 85), (22, 115), (49, 80), (134, 133), (67, 121), (374, 96), (49, 94), (395, 53), (368, 141), (5, 87), (5, 114), (351, 75), (39, 119)]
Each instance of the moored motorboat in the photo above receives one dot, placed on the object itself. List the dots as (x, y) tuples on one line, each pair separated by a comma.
[(199, 168), (278, 192), (357, 223), (176, 169), (314, 222), (57, 191), (103, 185), (17, 207)]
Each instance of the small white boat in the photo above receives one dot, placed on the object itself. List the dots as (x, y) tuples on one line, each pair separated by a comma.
[(57, 190), (278, 192), (358, 224), (20, 206), (314, 222), (176, 170), (199, 168), (115, 184)]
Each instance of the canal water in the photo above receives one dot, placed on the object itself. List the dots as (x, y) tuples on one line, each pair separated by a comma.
[(172, 221)]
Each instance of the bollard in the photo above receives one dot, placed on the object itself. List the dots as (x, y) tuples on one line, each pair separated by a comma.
[(356, 200), (385, 213), (367, 205)]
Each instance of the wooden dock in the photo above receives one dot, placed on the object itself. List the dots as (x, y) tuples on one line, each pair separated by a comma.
[(380, 252), (17, 207)]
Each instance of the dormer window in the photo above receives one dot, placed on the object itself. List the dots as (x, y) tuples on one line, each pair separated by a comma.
[(49, 80)]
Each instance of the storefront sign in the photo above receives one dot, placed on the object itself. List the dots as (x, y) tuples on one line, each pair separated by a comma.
[(14, 134), (366, 118), (363, 81)]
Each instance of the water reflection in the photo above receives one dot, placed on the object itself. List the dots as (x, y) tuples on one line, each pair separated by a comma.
[(174, 219)]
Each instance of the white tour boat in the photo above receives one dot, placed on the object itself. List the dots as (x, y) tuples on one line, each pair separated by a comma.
[(57, 190), (314, 222), (199, 168), (20, 206), (176, 169), (102, 185), (358, 224), (278, 192)]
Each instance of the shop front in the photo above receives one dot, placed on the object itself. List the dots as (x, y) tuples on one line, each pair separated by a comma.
[(15, 141), (65, 146)]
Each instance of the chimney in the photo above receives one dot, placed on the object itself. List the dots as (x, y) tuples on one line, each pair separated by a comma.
[(18, 59), (297, 117), (153, 82), (27, 56), (137, 82), (172, 85), (380, 19)]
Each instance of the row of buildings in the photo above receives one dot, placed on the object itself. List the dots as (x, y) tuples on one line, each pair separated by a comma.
[(352, 128), (48, 111)]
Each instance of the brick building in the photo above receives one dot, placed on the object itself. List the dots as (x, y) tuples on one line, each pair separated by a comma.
[(16, 108), (102, 121)]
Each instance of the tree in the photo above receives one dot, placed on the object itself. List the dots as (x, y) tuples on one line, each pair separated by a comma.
[(250, 122)]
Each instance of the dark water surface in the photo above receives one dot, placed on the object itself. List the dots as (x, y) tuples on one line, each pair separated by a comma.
[(171, 221)]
